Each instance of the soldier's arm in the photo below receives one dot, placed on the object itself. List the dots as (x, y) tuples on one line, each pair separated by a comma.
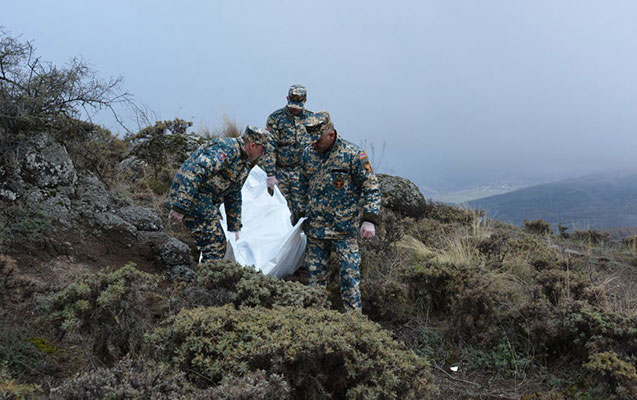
[(303, 184), (233, 202), (268, 162), (368, 184)]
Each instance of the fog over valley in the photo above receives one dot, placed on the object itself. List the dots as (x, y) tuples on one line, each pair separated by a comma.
[(452, 95)]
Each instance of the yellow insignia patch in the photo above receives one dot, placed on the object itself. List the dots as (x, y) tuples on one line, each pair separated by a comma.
[(339, 182)]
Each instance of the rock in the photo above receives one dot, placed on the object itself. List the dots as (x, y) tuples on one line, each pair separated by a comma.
[(165, 251), (175, 252), (180, 272), (143, 218), (402, 195), (92, 196), (132, 168), (115, 228), (47, 164)]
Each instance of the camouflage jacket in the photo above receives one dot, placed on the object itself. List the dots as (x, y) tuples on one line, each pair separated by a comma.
[(338, 191), (288, 139), (213, 174)]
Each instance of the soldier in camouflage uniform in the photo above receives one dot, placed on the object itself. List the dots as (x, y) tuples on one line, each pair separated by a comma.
[(288, 139), (214, 174), (341, 199)]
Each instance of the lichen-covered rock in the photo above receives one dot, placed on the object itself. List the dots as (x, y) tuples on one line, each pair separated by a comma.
[(47, 164), (143, 218), (166, 252), (91, 196), (118, 229), (131, 168), (402, 195), (174, 252)]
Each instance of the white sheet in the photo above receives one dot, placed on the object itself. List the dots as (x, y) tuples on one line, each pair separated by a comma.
[(267, 239)]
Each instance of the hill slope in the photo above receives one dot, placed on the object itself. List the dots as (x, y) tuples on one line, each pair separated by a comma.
[(594, 201)]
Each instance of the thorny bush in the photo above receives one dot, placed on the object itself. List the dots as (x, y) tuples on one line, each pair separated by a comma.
[(321, 353), (113, 310)]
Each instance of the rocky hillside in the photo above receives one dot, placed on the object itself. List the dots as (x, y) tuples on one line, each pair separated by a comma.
[(98, 292), (100, 298)]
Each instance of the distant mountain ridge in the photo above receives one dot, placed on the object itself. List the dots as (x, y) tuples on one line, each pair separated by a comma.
[(605, 200)]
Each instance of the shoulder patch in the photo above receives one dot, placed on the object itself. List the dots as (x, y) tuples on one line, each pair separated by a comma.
[(368, 166), (221, 155), (363, 156)]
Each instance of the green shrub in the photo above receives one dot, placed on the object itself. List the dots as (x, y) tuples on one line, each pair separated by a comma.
[(97, 150), (590, 236), (24, 225), (534, 251), (245, 286), (450, 214), (387, 300), (112, 309), (621, 375), (630, 242), (576, 330), (18, 355), (165, 144), (538, 227), (10, 389), (430, 283), (564, 286), (502, 359), (430, 232), (482, 304), (252, 386), (320, 353), (128, 379)]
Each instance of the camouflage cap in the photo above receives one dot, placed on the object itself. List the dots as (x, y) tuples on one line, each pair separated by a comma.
[(297, 95), (256, 135), (317, 124)]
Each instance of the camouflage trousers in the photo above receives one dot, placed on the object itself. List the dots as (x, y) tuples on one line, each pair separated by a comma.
[(289, 187), (209, 237), (349, 261)]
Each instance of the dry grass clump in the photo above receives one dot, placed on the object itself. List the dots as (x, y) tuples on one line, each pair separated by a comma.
[(230, 128)]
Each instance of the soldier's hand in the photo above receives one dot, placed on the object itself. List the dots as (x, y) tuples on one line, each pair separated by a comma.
[(175, 216), (272, 182), (236, 235), (368, 230)]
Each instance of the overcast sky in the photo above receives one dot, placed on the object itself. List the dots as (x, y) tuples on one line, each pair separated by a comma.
[(449, 93)]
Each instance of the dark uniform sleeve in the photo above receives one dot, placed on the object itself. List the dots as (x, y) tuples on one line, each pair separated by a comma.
[(368, 184), (268, 162), (188, 180), (303, 185), (233, 202)]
